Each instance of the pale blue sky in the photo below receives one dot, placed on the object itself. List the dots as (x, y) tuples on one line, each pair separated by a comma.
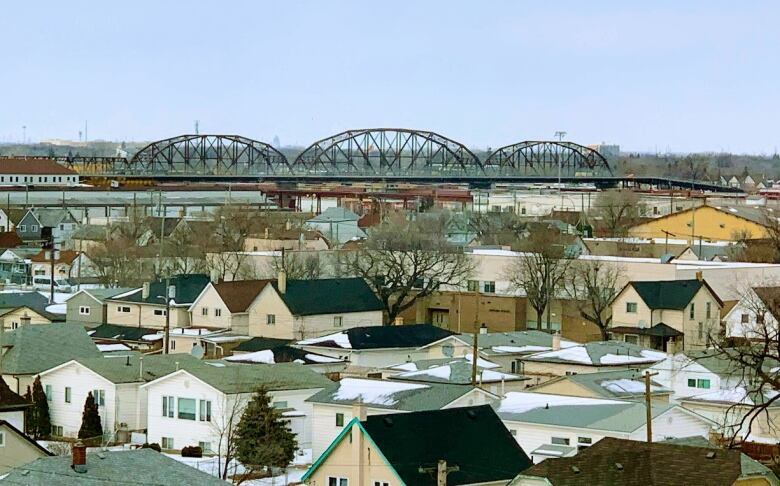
[(700, 76)]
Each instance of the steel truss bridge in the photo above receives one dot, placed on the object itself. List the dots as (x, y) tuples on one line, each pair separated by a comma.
[(365, 155)]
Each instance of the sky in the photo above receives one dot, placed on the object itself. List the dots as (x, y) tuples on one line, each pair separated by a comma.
[(650, 76)]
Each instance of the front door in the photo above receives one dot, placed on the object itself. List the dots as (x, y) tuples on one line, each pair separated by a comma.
[(440, 318)]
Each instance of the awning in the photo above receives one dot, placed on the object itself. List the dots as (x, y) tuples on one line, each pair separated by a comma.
[(659, 330)]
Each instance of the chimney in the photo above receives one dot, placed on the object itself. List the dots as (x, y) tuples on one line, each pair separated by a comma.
[(398, 321), (483, 329), (288, 225), (556, 341), (359, 410), (214, 276), (282, 281), (267, 233), (145, 291), (699, 276), (25, 320), (79, 463)]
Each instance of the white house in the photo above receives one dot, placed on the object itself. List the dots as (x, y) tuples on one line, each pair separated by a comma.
[(697, 372), (196, 405), (556, 425), (114, 382), (335, 406), (752, 317), (36, 171)]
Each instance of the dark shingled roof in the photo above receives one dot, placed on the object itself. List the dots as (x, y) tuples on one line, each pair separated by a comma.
[(188, 288), (239, 294), (120, 333), (34, 300), (669, 294), (10, 400), (9, 239), (620, 462), (329, 296), (377, 337), (261, 344), (472, 438)]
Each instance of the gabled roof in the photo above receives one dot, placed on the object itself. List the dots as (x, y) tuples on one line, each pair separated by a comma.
[(670, 294), (102, 294), (514, 342), (25, 437), (600, 353), (51, 217), (33, 166), (66, 256), (38, 347), (32, 300), (120, 333), (622, 384), (188, 288), (456, 372), (238, 295), (283, 354), (390, 395), (380, 337), (620, 462), (128, 367), (329, 296), (105, 468), (459, 436), (260, 344)]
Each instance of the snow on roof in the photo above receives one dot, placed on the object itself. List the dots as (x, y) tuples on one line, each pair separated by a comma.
[(340, 338), (444, 372), (482, 363), (520, 402), (647, 355), (735, 395), (152, 337), (519, 349), (627, 385), (264, 356), (405, 367), (57, 308), (193, 331), (577, 354), (112, 347), (372, 392)]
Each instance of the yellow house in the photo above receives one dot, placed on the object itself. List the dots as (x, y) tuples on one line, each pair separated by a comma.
[(706, 222), (14, 317), (17, 449), (668, 315), (413, 448)]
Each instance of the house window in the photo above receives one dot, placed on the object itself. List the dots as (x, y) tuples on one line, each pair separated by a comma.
[(631, 338), (33, 228), (204, 311), (489, 287), (337, 481), (691, 311), (701, 330), (516, 366), (708, 309), (23, 228), (167, 407), (584, 441), (339, 420), (123, 309), (381, 483), (205, 411), (159, 312), (691, 382), (186, 408), (270, 319), (280, 404), (745, 318), (100, 397), (167, 442), (472, 285), (2, 439), (631, 307), (703, 383), (67, 394), (217, 312), (56, 430), (338, 321), (84, 310), (205, 446), (48, 392), (173, 344), (559, 441)]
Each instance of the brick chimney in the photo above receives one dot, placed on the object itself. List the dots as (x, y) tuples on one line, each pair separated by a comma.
[(79, 454), (699, 276), (398, 321), (282, 281)]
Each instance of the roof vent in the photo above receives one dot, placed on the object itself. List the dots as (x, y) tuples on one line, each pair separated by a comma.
[(575, 469), (388, 421), (127, 363), (711, 455), (471, 414), (547, 406), (619, 466)]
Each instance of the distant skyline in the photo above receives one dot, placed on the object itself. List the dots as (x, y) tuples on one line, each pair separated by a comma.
[(664, 75)]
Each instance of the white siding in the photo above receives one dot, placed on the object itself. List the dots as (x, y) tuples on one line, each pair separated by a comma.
[(15, 418), (674, 423)]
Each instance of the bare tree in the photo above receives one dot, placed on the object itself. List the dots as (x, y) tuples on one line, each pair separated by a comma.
[(232, 225), (184, 251), (298, 265), (751, 354), (617, 210), (592, 284), (224, 423), (539, 271), (404, 261)]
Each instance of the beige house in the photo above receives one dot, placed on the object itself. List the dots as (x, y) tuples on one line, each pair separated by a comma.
[(146, 307), (16, 448), (668, 315), (376, 450), (274, 239), (226, 305), (19, 316), (619, 384)]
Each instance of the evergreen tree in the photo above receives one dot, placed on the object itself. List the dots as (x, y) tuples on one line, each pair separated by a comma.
[(262, 438), (41, 423), (91, 428), (29, 416)]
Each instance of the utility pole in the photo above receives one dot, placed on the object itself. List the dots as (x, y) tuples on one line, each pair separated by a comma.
[(559, 135), (167, 314), (475, 344), (649, 406), (441, 470)]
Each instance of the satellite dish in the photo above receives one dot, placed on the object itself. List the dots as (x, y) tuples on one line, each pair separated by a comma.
[(197, 351)]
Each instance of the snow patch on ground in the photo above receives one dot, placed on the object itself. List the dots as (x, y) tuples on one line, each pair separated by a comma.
[(264, 356), (372, 391), (340, 338)]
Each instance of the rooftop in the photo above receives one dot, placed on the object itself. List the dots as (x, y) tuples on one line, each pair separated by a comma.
[(379, 337), (621, 384), (238, 295), (127, 368), (31, 166), (600, 353), (188, 288), (329, 296), (105, 468), (456, 372), (516, 342), (283, 354), (669, 294), (36, 348)]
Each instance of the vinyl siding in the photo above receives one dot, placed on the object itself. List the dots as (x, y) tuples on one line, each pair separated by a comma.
[(96, 315), (211, 301)]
